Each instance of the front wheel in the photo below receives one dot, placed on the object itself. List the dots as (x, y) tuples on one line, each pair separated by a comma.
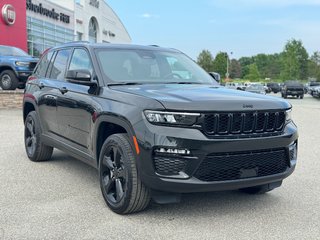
[(8, 80), (120, 184)]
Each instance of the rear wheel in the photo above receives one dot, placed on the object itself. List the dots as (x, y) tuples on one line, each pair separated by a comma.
[(301, 96), (8, 80), (262, 188), (120, 184), (36, 150)]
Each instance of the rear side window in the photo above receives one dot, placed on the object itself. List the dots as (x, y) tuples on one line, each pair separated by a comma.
[(43, 65), (59, 65), (80, 60)]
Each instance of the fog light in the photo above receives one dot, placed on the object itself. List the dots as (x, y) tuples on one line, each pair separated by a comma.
[(173, 151)]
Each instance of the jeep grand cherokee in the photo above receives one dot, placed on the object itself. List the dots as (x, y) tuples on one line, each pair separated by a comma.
[(154, 124)]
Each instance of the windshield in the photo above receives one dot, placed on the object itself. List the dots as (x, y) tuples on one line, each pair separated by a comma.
[(146, 66), (12, 51)]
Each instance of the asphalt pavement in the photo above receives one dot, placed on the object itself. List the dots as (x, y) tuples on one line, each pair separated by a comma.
[(61, 199)]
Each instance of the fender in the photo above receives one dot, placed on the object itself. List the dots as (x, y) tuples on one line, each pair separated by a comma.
[(115, 119)]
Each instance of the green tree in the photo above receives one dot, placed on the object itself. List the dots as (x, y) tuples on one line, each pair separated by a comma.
[(205, 60), (220, 64), (314, 66), (245, 62), (253, 74), (295, 61), (235, 69)]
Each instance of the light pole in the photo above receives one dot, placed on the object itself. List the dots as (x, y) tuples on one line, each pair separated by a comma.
[(227, 73)]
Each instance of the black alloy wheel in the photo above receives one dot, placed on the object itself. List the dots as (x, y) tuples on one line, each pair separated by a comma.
[(120, 183), (36, 150), (30, 135), (114, 175)]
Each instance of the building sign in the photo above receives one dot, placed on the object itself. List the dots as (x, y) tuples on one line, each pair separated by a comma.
[(94, 3), (47, 12), (8, 14)]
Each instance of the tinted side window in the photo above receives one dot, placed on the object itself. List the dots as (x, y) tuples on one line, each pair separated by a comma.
[(60, 64), (80, 60), (43, 65)]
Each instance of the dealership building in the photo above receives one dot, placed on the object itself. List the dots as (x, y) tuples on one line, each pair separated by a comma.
[(35, 25)]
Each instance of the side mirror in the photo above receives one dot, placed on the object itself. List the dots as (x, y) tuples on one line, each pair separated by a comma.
[(81, 76), (215, 76)]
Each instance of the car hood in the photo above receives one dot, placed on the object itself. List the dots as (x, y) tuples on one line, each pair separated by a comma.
[(22, 59), (204, 97)]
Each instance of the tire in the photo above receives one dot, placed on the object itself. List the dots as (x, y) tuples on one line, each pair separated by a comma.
[(301, 96), (262, 188), (120, 184), (285, 96), (8, 80), (35, 149)]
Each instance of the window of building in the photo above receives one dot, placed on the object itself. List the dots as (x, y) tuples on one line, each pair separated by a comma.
[(59, 65), (79, 36), (43, 35), (93, 29)]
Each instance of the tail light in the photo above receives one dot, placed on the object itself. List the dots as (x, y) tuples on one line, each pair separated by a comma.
[(31, 78)]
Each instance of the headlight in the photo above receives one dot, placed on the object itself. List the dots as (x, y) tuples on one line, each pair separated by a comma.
[(171, 118), (289, 115), (23, 64)]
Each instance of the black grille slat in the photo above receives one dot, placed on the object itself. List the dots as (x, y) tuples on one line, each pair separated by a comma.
[(243, 124), (224, 167)]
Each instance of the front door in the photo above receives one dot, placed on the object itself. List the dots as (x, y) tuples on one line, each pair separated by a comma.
[(75, 105)]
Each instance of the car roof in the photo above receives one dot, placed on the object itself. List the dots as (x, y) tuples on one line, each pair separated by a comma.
[(115, 46)]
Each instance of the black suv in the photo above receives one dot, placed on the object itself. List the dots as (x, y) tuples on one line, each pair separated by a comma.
[(292, 88), (15, 67), (274, 87), (154, 124)]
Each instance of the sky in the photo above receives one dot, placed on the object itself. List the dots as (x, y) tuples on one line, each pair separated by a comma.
[(243, 27)]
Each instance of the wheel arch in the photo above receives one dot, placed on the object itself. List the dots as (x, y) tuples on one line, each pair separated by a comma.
[(6, 67), (28, 107), (106, 126)]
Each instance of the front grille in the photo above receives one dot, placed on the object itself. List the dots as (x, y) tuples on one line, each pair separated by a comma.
[(169, 165), (32, 65), (244, 123), (225, 166)]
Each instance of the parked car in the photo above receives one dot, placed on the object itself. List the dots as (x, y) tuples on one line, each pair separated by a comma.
[(151, 132), (256, 88), (316, 92), (235, 86), (292, 88), (312, 86), (15, 67), (275, 87)]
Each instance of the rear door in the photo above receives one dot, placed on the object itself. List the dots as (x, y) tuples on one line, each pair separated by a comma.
[(46, 94), (53, 83)]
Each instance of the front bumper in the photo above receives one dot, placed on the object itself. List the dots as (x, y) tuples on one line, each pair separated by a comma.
[(294, 92), (200, 147), (23, 75)]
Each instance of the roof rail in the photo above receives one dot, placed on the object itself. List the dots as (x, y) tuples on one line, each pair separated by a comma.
[(154, 45), (75, 42)]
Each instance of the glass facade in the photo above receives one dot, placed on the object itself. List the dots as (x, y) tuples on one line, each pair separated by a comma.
[(43, 35)]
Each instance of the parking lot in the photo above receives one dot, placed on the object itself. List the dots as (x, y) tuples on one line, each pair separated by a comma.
[(61, 199)]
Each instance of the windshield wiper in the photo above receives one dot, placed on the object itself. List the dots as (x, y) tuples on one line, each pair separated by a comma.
[(183, 83), (123, 83)]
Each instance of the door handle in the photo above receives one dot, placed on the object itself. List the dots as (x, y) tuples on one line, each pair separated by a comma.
[(63, 90)]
